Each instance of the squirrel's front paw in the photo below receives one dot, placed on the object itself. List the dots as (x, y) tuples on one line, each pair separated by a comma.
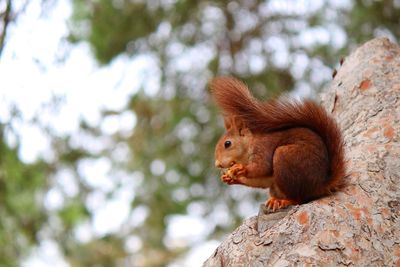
[(237, 170), (226, 178)]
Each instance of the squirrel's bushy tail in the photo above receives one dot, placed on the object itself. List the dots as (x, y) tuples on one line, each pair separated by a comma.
[(234, 99)]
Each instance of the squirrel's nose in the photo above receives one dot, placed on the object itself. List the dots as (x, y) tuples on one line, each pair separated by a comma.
[(218, 164)]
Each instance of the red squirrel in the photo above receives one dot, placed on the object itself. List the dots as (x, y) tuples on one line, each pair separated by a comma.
[(294, 148)]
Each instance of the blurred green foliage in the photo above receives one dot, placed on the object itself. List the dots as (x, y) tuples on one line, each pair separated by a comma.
[(22, 214), (170, 149)]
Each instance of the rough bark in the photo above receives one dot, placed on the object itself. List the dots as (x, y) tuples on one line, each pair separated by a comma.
[(359, 226)]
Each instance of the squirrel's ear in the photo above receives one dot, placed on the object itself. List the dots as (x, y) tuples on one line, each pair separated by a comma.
[(239, 126), (228, 122), (244, 131), (238, 123)]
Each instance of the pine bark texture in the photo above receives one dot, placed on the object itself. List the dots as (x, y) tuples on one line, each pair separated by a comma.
[(359, 226)]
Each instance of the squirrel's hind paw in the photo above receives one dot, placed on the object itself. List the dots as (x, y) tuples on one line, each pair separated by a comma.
[(276, 203)]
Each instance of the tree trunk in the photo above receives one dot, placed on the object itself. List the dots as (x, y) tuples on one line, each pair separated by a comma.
[(359, 226)]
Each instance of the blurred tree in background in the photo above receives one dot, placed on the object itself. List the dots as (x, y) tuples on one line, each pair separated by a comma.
[(167, 160), (21, 210)]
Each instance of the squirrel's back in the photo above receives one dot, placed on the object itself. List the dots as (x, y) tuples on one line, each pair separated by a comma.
[(234, 99)]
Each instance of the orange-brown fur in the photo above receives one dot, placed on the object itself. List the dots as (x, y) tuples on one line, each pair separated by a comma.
[(294, 148)]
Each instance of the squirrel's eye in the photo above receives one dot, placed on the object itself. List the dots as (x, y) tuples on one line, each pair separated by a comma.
[(227, 144)]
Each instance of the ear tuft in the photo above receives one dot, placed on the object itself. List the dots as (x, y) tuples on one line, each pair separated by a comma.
[(238, 123), (228, 122)]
